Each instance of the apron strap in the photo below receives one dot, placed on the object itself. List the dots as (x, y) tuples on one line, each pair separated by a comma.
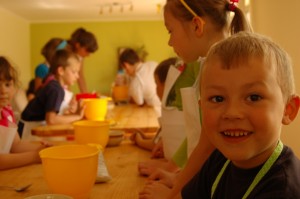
[(262, 172)]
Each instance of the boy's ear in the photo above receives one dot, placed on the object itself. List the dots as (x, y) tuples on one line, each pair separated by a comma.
[(60, 70), (291, 110), (198, 25), (125, 65)]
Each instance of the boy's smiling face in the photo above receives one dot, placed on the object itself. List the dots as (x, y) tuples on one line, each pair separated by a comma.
[(242, 110)]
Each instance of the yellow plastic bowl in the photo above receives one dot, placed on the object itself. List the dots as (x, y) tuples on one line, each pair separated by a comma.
[(95, 109), (70, 169), (88, 131), (49, 196)]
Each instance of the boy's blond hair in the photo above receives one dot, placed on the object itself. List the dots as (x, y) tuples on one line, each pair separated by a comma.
[(244, 46)]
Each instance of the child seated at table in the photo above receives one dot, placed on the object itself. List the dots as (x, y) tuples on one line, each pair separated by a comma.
[(140, 138), (141, 81), (244, 105), (13, 151), (44, 108)]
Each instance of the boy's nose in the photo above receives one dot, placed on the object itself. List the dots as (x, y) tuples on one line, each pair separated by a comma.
[(3, 88), (233, 111)]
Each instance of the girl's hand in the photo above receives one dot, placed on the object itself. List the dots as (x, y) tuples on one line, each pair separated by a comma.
[(43, 144), (46, 144), (157, 151), (80, 111), (73, 106)]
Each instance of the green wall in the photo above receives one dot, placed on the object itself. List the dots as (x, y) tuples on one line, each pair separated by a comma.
[(100, 67), (14, 40)]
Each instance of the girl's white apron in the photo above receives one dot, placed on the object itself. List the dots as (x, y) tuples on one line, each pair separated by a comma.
[(26, 133), (178, 125), (7, 136)]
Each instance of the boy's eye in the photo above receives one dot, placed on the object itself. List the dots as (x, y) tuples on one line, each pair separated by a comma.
[(217, 99), (8, 84), (254, 98)]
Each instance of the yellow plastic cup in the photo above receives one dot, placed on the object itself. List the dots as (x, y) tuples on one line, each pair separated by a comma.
[(70, 169), (88, 131), (95, 109), (120, 93)]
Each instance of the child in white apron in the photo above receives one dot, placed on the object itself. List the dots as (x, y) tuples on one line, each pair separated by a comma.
[(13, 151), (195, 26), (45, 107)]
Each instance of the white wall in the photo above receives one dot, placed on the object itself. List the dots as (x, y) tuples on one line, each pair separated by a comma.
[(280, 20), (15, 43)]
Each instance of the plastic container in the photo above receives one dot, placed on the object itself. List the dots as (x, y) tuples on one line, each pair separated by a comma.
[(49, 196), (115, 138), (121, 78), (87, 131), (70, 169), (120, 93), (96, 109), (86, 96)]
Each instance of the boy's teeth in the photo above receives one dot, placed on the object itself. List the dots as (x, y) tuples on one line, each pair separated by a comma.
[(235, 134)]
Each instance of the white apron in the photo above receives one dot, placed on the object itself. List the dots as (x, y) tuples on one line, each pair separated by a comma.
[(26, 133), (65, 103), (178, 125), (7, 136), (190, 107)]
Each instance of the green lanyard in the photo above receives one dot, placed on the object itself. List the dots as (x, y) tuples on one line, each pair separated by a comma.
[(262, 172)]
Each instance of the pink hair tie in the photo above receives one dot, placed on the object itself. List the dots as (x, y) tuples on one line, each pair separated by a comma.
[(231, 6)]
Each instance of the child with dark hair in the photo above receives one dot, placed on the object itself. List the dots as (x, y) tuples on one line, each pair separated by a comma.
[(83, 43), (13, 152), (141, 139), (42, 69), (141, 80)]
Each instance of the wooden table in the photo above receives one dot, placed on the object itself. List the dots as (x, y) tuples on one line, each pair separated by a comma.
[(121, 162), (124, 117)]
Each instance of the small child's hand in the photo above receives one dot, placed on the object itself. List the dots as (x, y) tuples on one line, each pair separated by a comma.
[(157, 151), (73, 106), (81, 110), (43, 144), (46, 144)]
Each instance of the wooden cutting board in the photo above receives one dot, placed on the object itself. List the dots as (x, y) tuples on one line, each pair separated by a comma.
[(53, 130)]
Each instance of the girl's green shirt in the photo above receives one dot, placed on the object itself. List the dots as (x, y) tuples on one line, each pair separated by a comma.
[(186, 79)]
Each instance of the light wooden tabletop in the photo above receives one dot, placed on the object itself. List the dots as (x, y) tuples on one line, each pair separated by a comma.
[(121, 162), (123, 117)]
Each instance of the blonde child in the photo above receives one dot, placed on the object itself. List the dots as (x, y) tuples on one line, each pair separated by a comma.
[(194, 26), (13, 152), (247, 95), (44, 108)]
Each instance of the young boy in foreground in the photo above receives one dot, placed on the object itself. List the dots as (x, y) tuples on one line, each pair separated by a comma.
[(247, 94)]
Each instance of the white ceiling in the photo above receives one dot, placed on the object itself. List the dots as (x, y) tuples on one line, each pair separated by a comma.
[(84, 10)]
